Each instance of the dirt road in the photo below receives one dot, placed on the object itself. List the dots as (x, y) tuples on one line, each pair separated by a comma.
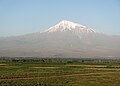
[(59, 75)]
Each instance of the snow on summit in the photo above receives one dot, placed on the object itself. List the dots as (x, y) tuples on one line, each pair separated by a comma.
[(69, 26)]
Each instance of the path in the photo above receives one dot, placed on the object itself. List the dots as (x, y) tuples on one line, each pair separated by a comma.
[(65, 75)]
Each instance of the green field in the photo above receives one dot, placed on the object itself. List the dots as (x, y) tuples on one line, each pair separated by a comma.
[(55, 72)]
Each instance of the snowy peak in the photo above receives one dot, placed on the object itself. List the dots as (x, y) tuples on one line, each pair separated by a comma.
[(69, 26)]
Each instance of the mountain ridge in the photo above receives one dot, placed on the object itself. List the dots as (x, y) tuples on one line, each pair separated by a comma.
[(73, 41), (67, 25)]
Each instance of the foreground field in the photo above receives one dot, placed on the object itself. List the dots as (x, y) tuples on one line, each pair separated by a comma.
[(59, 73)]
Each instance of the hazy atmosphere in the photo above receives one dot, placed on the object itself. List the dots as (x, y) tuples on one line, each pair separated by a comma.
[(19, 17), (59, 42)]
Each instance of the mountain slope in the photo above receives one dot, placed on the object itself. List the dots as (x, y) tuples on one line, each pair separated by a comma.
[(65, 39), (67, 25)]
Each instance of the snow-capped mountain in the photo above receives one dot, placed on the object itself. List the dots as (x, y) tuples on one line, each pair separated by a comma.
[(69, 26), (65, 39)]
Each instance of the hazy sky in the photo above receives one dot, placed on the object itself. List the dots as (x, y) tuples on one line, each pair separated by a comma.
[(26, 16)]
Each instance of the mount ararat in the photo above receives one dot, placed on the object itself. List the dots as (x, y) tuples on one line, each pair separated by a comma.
[(65, 39)]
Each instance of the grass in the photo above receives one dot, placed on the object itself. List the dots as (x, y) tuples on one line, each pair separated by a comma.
[(59, 73)]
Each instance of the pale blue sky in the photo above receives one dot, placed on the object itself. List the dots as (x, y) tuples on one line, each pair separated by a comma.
[(26, 16)]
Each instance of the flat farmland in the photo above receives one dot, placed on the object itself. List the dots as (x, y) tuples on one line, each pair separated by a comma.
[(59, 73)]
